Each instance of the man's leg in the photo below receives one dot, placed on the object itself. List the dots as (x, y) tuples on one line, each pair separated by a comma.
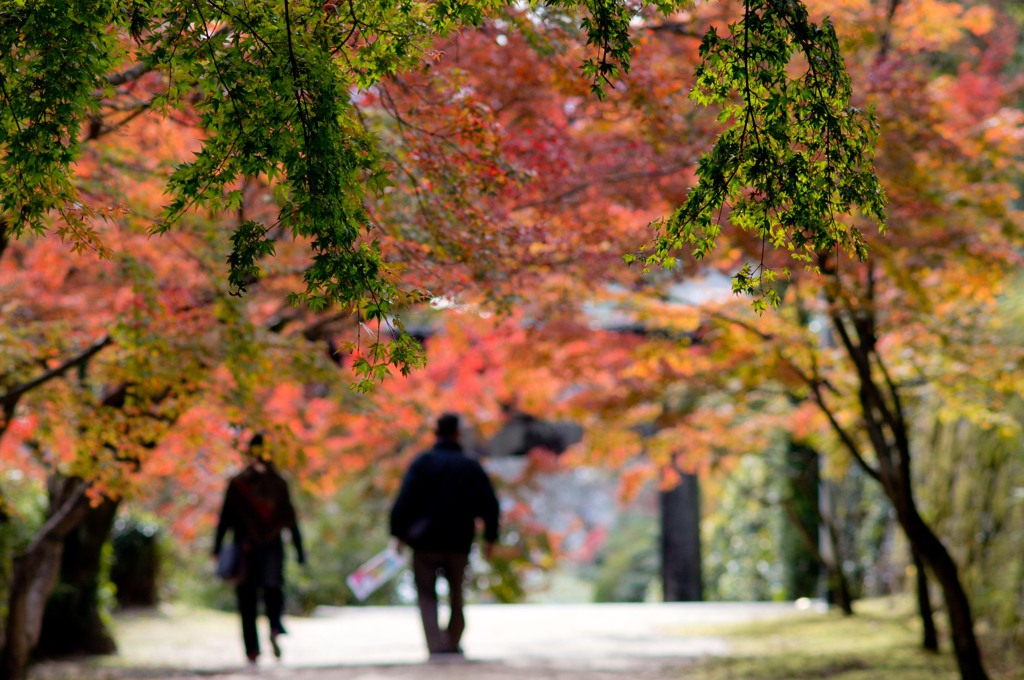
[(246, 593), (424, 569), (454, 573), (273, 598)]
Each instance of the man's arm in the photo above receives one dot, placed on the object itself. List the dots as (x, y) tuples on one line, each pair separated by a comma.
[(293, 527), (403, 509), (489, 511), (226, 519), (300, 554)]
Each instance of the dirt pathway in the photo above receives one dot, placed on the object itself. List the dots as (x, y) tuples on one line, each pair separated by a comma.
[(543, 642)]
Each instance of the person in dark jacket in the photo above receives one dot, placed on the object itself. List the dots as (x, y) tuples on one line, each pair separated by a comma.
[(257, 509), (442, 495)]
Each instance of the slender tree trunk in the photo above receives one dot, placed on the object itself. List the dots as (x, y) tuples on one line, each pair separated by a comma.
[(838, 584), (886, 427), (33, 578), (933, 553), (929, 636)]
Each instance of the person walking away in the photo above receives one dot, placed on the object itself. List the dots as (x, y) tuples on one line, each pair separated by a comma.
[(443, 494), (257, 509)]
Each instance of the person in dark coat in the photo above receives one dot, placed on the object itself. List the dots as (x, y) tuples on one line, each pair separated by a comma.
[(442, 495), (257, 509)]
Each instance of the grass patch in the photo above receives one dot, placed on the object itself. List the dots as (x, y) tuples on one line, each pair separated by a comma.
[(881, 641)]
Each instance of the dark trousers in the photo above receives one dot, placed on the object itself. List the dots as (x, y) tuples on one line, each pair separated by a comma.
[(273, 602), (426, 567)]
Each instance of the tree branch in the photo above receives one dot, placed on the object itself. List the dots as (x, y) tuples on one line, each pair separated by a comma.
[(130, 74), (67, 517), (816, 384), (610, 179), (675, 27), (10, 399), (885, 43)]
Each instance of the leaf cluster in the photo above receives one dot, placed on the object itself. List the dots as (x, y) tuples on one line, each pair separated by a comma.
[(796, 160), (55, 59)]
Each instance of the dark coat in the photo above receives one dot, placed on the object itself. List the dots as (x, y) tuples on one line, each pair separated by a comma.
[(442, 495), (257, 508)]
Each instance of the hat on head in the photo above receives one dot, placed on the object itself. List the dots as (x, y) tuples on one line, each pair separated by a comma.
[(448, 426)]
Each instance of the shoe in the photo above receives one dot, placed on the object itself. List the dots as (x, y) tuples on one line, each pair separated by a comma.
[(274, 646), (252, 657)]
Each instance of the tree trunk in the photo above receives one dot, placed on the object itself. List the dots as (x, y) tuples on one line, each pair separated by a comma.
[(929, 636), (824, 546), (886, 427), (34, 576), (801, 556), (72, 623), (680, 542), (961, 621), (838, 588)]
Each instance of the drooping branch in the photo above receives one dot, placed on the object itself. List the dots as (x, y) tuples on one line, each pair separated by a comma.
[(790, 178)]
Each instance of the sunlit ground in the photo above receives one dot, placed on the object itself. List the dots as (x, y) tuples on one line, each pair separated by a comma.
[(881, 641)]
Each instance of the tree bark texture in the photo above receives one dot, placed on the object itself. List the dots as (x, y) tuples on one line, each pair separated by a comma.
[(34, 576)]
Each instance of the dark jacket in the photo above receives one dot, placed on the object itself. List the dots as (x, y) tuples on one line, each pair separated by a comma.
[(257, 508), (442, 495)]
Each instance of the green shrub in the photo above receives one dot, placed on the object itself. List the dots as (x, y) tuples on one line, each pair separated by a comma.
[(630, 561)]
